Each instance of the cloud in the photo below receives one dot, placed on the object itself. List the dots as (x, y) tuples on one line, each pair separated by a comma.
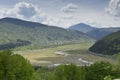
[(24, 10), (54, 22), (70, 8), (30, 12), (113, 8), (67, 17)]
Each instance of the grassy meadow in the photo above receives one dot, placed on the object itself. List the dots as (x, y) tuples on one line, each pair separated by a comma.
[(48, 56)]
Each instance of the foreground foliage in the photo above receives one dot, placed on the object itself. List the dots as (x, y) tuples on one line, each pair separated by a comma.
[(14, 67), (97, 71)]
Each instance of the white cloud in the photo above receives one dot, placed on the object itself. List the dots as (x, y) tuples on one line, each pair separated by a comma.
[(30, 12), (24, 10), (54, 22), (69, 14), (67, 17), (70, 8), (114, 8)]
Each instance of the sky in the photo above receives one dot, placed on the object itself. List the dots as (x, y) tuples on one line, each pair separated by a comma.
[(64, 13)]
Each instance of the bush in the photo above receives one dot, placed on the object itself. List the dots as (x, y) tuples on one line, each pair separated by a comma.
[(98, 71)]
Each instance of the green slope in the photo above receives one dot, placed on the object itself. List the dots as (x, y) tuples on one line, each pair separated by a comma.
[(108, 45), (15, 30)]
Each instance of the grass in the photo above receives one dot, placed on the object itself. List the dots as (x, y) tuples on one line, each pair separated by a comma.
[(89, 56), (47, 56)]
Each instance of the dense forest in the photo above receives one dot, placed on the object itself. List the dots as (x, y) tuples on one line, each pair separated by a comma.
[(15, 67), (109, 45)]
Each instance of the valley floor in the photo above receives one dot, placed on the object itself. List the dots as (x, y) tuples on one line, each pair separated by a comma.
[(75, 53)]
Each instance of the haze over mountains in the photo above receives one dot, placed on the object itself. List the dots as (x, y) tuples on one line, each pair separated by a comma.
[(14, 31), (102, 32), (82, 27), (94, 32)]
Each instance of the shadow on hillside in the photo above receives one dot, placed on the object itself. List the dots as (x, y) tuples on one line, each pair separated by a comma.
[(14, 45)]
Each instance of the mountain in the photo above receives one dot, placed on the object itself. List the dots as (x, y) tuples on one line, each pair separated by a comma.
[(102, 32), (82, 27), (109, 45), (96, 33), (18, 32)]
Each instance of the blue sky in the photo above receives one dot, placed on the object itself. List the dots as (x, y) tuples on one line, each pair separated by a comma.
[(64, 13)]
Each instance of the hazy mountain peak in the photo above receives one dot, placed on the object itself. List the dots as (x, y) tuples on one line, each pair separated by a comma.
[(82, 27)]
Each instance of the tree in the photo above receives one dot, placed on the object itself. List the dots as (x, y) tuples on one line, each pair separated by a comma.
[(14, 67), (69, 72), (116, 70), (98, 71)]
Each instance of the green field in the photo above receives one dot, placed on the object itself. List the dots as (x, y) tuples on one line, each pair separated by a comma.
[(48, 56)]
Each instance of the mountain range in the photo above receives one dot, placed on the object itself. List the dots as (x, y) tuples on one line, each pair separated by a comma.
[(15, 32), (102, 32), (94, 32), (19, 32)]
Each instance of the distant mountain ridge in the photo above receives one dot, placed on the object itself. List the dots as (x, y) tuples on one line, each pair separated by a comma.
[(94, 32), (82, 27), (37, 34), (102, 32)]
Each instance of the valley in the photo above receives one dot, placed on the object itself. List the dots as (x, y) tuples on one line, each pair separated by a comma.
[(45, 45), (59, 39), (68, 54)]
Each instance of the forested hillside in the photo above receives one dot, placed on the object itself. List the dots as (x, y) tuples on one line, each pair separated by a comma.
[(14, 30), (108, 45)]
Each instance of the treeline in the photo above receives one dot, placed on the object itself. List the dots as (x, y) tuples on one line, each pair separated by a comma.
[(14, 45), (15, 67), (97, 71)]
